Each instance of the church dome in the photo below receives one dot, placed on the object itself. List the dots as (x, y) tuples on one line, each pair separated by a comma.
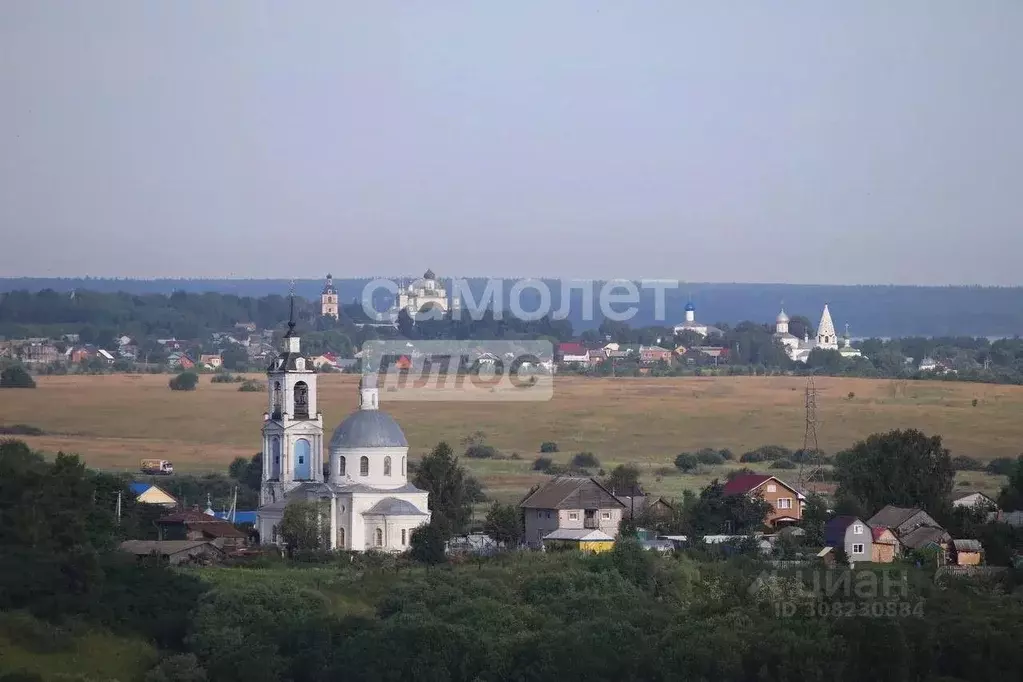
[(429, 274), (368, 429), (782, 317), (690, 308)]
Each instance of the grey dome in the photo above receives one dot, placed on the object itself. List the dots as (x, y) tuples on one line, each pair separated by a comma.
[(392, 506), (368, 429)]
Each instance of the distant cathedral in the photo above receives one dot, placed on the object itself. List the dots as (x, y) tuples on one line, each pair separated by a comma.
[(422, 293), (826, 339), (372, 504)]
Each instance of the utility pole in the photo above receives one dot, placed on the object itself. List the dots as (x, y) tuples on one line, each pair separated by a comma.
[(118, 507)]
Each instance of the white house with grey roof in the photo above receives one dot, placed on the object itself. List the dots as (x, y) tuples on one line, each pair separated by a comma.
[(372, 504)]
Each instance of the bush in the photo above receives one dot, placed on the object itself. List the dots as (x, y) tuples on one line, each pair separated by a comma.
[(548, 446), (542, 463), (963, 463), (767, 453), (15, 376), (252, 386), (482, 451), (186, 381), (738, 472), (783, 464), (225, 378), (710, 457), (21, 430), (585, 460), (177, 668), (686, 462)]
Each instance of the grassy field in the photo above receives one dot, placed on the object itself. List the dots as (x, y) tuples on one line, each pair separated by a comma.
[(113, 421)]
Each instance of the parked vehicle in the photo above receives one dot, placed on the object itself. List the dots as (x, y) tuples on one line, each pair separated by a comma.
[(157, 467)]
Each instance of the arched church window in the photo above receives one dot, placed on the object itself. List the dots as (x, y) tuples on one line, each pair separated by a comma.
[(364, 466), (342, 466), (275, 466), (403, 471), (387, 466), (403, 543), (340, 537), (277, 400), (301, 400), (380, 537)]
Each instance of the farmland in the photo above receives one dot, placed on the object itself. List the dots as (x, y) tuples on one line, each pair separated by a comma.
[(115, 420)]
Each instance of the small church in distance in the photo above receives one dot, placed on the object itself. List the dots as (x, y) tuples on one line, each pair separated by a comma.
[(372, 504)]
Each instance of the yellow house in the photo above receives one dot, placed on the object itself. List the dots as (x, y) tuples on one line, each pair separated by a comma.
[(147, 493), (582, 539)]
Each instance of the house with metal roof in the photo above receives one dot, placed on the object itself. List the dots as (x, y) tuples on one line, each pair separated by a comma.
[(852, 535), (570, 503), (581, 539), (786, 502)]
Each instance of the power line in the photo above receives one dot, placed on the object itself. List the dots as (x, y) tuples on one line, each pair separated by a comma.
[(811, 471)]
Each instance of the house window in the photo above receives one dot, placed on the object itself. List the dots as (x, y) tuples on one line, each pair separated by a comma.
[(403, 537), (548, 515), (784, 503), (539, 514), (573, 516), (342, 466), (380, 537), (387, 466), (605, 515), (857, 529), (772, 488), (857, 549), (364, 466)]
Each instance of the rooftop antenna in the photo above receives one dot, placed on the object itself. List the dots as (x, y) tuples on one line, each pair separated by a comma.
[(810, 469)]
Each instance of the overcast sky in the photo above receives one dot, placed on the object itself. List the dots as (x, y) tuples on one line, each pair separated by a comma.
[(754, 141)]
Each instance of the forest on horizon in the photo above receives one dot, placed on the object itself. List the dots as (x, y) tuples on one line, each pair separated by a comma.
[(869, 310)]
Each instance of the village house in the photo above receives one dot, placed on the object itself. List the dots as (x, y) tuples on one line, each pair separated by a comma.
[(570, 503), (975, 500), (175, 552), (913, 527), (573, 352), (786, 502), (965, 552), (651, 354), (886, 546), (147, 493), (211, 360), (852, 535), (197, 525), (39, 353)]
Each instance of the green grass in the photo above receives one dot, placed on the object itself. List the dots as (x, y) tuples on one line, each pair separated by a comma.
[(81, 653)]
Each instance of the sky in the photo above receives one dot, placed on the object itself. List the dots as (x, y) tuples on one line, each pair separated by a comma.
[(700, 140)]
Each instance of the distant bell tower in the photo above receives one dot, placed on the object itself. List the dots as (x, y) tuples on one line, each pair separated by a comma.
[(292, 426), (328, 299)]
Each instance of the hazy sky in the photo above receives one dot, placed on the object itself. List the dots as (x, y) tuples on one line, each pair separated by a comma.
[(757, 141)]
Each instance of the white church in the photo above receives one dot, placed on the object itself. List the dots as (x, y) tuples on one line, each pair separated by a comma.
[(372, 504), (826, 339)]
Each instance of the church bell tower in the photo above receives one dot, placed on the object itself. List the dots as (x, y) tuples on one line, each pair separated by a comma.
[(328, 299), (292, 425)]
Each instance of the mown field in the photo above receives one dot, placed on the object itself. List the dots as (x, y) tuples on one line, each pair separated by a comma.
[(113, 421)]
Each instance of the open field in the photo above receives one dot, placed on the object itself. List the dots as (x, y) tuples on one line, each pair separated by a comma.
[(113, 421)]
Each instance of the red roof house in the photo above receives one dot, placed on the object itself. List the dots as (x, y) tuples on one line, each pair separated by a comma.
[(785, 500)]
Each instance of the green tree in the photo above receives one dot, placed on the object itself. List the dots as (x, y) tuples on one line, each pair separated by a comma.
[(305, 526), (1011, 497), (504, 524), (248, 472), (427, 544), (686, 462), (450, 488), (177, 668), (15, 376), (623, 479), (235, 358), (815, 515), (904, 468), (186, 381)]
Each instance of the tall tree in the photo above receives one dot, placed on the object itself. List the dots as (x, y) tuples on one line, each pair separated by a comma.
[(904, 468), (504, 524), (451, 494), (305, 525)]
